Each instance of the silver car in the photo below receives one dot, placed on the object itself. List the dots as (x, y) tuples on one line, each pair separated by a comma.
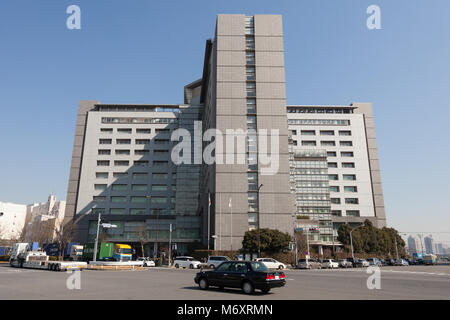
[(343, 263), (309, 264)]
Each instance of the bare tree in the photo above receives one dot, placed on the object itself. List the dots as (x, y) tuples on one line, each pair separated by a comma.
[(63, 233), (142, 236)]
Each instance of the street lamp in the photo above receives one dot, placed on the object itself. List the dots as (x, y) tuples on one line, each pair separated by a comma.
[(351, 240), (259, 231)]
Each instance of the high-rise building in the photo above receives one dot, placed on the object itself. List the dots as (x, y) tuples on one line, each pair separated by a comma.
[(413, 245), (428, 241), (317, 166)]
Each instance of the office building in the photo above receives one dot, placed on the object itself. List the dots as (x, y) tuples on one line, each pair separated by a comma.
[(319, 166)]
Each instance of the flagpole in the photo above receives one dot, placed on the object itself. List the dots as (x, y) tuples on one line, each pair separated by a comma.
[(231, 225)]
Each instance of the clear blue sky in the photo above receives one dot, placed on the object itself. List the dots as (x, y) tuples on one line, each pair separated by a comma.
[(145, 51)]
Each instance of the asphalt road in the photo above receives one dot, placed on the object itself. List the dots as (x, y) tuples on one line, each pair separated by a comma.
[(413, 282)]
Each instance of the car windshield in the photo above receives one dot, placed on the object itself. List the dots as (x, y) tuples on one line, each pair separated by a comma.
[(126, 251), (258, 266)]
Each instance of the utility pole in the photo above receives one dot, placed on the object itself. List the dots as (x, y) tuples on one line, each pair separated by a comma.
[(209, 209), (295, 241), (307, 246), (96, 238), (170, 244), (396, 247)]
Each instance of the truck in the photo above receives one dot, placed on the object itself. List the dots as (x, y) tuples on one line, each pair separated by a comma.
[(73, 251), (105, 251), (429, 259), (122, 252), (22, 256), (417, 257)]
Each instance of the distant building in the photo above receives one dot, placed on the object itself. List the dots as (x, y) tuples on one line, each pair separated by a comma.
[(43, 219), (413, 245), (428, 244), (439, 249), (12, 220)]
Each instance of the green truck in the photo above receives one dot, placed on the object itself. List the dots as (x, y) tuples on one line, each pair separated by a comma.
[(105, 251)]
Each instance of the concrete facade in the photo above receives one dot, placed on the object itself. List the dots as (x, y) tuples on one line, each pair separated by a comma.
[(12, 220)]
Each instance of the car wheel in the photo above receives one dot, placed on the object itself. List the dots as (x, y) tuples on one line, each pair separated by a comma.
[(265, 290), (203, 284), (248, 288), (191, 266), (280, 267), (177, 266), (212, 266)]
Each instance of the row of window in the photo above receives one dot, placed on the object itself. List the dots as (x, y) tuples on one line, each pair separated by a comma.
[(127, 152), (334, 177), (130, 131), (319, 122), (318, 110), (349, 213), (343, 165), (137, 141), (347, 201), (138, 163), (135, 175), (126, 120), (313, 143), (134, 199), (322, 132), (135, 187), (346, 189), (133, 211)]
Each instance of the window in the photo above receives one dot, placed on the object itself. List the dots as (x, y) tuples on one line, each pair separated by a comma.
[(250, 57), (141, 152), (335, 200), (144, 131), (252, 202), (159, 200), (308, 132), (138, 211), (105, 141), (140, 175), (349, 177), (352, 213), (118, 199), (160, 163), (351, 201), (98, 211), (123, 141), (159, 187), (99, 198), (333, 177), (120, 175), (117, 211), (350, 189), (141, 163), (346, 154), (127, 131), (348, 164), (326, 132), (249, 43), (100, 187), (160, 152), (253, 181), (122, 152), (102, 152), (142, 141), (160, 130), (251, 105), (331, 154), (101, 175), (327, 143), (106, 130), (138, 199), (345, 133), (332, 164), (251, 73), (102, 163), (337, 213), (159, 175), (334, 189), (161, 141), (346, 143), (293, 132), (119, 187), (251, 122), (121, 163), (308, 143)]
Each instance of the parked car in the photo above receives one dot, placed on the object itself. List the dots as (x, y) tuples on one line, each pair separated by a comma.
[(362, 263), (147, 262), (310, 264), (353, 261), (383, 262), (247, 275), (344, 263), (410, 262), (330, 264), (186, 262), (401, 262), (374, 262), (215, 261), (271, 263), (390, 262)]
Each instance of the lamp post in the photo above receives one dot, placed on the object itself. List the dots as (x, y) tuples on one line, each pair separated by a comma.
[(259, 230), (351, 239), (170, 244), (96, 238)]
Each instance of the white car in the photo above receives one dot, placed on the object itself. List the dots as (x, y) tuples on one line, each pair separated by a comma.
[(330, 264), (271, 263), (186, 262), (147, 262)]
